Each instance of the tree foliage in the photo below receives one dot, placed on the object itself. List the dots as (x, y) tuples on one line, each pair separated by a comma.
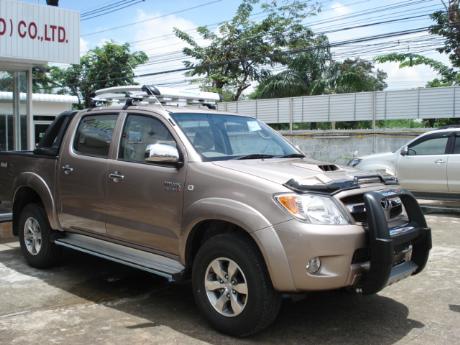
[(305, 73), (314, 73), (242, 50), (106, 66), (448, 26), (448, 76)]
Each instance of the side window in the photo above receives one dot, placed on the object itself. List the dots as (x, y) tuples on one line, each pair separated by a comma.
[(94, 135), (457, 144), (431, 146), (139, 132)]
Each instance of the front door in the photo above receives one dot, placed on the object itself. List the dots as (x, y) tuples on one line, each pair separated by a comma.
[(144, 199), (82, 175), (424, 168), (453, 166)]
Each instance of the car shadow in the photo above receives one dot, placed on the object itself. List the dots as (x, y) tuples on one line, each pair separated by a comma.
[(335, 317)]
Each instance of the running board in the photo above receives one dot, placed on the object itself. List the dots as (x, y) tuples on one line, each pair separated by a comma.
[(146, 261)]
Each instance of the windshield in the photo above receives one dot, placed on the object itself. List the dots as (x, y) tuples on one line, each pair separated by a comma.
[(223, 137)]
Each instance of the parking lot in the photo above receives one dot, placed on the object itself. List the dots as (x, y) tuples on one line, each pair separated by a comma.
[(89, 300)]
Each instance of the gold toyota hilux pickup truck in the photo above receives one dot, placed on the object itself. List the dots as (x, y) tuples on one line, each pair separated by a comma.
[(218, 198)]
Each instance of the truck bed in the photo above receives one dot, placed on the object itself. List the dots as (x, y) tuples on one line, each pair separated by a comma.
[(15, 166)]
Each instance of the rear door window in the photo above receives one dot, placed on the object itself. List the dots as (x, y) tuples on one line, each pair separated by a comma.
[(457, 144), (94, 135)]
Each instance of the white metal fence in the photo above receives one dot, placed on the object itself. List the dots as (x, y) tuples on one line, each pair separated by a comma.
[(422, 103)]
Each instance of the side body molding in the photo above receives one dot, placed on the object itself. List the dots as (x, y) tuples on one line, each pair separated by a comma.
[(37, 183), (249, 219)]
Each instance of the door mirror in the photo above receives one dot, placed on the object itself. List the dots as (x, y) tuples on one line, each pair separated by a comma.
[(162, 154), (404, 151)]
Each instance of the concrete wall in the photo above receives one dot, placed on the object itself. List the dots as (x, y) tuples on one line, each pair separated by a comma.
[(338, 146)]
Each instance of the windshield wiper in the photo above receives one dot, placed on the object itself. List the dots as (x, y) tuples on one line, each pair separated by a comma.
[(255, 156), (292, 155)]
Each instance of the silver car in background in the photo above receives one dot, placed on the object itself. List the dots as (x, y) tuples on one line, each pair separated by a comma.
[(429, 165)]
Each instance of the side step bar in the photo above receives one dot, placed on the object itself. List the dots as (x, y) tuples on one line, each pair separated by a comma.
[(153, 263)]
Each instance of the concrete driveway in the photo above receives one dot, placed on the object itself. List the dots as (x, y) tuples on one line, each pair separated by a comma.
[(91, 301)]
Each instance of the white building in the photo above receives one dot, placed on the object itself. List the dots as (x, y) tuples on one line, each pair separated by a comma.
[(32, 35), (45, 107)]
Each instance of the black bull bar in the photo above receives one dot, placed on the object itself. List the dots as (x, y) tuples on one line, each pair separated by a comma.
[(382, 241)]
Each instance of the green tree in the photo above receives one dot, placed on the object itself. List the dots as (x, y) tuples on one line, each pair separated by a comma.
[(242, 49), (356, 75), (314, 72), (448, 26), (305, 73), (448, 76), (106, 66)]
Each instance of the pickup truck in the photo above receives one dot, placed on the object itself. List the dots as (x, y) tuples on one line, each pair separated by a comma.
[(217, 198)]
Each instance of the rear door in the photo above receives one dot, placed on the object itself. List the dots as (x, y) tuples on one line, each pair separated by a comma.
[(145, 204), (424, 168), (82, 174), (453, 166)]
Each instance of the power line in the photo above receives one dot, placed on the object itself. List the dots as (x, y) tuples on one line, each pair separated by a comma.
[(152, 18), (118, 6), (387, 7), (290, 52), (179, 55)]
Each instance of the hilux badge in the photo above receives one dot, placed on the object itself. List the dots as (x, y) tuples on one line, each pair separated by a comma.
[(171, 186)]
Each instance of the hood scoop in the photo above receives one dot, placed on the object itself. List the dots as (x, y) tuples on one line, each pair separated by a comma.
[(328, 167)]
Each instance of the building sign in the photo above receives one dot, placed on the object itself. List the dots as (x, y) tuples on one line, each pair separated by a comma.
[(38, 34)]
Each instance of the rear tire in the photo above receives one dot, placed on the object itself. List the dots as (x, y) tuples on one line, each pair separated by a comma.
[(35, 237), (232, 288)]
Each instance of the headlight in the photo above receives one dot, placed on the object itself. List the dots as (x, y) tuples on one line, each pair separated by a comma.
[(312, 208), (354, 162)]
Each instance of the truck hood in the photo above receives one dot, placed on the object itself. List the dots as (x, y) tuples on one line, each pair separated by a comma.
[(305, 171)]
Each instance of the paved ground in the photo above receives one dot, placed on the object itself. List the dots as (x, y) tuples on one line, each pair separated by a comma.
[(91, 301)]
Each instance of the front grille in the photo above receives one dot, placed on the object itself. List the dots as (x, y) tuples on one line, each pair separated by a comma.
[(394, 209)]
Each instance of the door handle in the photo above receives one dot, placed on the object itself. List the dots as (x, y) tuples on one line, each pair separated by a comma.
[(439, 161), (67, 169), (116, 176)]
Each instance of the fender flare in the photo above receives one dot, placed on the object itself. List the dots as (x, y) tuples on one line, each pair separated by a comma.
[(250, 220), (38, 185)]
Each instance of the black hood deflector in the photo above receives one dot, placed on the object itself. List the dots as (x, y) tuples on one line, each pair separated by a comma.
[(341, 185)]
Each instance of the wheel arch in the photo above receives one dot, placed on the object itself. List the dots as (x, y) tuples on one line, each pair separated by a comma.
[(31, 188), (231, 216)]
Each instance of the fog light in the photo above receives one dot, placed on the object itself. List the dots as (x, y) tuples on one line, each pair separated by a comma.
[(313, 265)]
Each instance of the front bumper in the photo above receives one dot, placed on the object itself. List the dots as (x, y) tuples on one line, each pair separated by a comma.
[(337, 246)]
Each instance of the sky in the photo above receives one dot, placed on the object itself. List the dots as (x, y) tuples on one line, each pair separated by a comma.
[(156, 20)]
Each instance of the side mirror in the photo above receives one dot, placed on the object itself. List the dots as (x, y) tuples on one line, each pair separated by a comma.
[(162, 154), (404, 151)]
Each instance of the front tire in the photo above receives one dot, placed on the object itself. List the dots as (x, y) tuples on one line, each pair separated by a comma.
[(35, 237), (232, 287)]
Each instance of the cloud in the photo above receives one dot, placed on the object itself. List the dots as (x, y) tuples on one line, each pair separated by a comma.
[(84, 46), (164, 48), (340, 9)]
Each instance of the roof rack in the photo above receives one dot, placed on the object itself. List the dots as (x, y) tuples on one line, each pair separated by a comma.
[(150, 94)]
